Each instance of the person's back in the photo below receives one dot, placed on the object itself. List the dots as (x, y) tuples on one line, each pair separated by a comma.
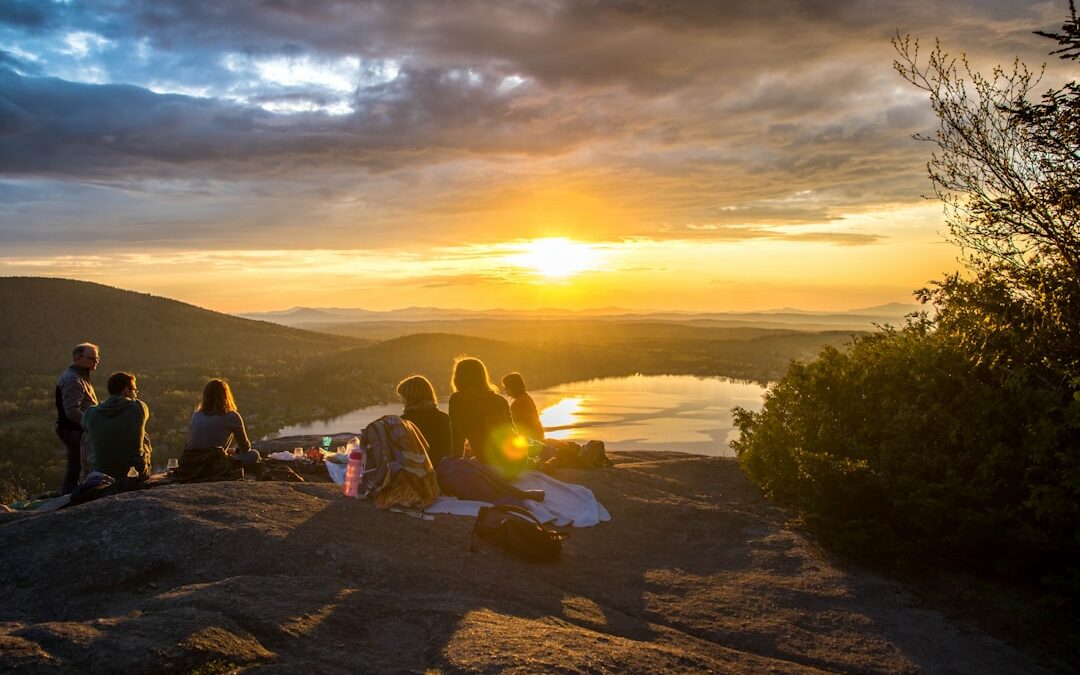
[(523, 408), (211, 430), (117, 430), (483, 419), (422, 409), (434, 424)]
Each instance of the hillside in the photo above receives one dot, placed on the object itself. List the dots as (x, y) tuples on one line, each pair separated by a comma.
[(284, 376), (695, 572), (45, 318)]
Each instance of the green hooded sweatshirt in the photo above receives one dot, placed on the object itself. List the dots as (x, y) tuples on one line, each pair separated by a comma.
[(117, 431)]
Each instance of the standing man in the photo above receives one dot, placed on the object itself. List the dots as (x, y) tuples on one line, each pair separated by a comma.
[(74, 395), (117, 430)]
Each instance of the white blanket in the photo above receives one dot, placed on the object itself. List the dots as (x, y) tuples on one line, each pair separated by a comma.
[(564, 503)]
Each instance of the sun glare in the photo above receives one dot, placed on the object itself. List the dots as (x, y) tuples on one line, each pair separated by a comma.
[(557, 257), (558, 416)]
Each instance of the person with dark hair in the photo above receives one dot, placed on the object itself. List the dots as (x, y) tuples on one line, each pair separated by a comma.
[(523, 408), (481, 417), (216, 423), (421, 408), (117, 430), (74, 396)]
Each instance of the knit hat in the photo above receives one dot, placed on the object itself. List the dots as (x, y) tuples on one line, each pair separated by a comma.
[(416, 389)]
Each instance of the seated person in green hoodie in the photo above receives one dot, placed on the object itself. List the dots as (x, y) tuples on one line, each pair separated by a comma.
[(117, 430)]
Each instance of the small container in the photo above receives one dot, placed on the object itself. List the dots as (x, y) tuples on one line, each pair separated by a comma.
[(132, 473), (353, 472)]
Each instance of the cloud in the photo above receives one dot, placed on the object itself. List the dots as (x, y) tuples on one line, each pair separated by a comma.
[(376, 123)]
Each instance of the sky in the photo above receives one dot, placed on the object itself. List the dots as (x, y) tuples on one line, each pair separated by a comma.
[(647, 154)]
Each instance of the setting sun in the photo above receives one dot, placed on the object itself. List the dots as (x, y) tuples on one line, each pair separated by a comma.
[(556, 257)]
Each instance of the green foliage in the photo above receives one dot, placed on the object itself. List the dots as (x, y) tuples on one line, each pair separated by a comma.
[(905, 445)]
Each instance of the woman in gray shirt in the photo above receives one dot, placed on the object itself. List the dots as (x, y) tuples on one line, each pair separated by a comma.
[(216, 423)]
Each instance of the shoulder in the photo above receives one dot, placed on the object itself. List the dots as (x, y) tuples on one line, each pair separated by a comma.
[(234, 416), (496, 402)]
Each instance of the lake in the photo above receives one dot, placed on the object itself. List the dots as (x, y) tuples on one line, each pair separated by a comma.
[(681, 413)]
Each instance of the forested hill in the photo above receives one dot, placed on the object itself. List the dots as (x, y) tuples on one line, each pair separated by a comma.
[(45, 318), (283, 375)]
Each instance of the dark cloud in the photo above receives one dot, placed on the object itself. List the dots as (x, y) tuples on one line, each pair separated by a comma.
[(27, 14), (54, 127), (723, 115)]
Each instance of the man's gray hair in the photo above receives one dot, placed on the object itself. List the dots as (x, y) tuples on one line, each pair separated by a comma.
[(80, 348)]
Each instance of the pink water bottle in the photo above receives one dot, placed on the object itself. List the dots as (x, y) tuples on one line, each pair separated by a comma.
[(353, 472)]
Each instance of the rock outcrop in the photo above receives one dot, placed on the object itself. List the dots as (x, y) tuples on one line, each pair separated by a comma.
[(695, 572)]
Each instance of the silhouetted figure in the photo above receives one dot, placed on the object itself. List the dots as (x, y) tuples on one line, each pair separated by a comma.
[(74, 396), (421, 408), (522, 408), (117, 430), (479, 415), (216, 423)]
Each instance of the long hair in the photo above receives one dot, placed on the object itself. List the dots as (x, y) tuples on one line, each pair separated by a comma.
[(217, 398), (415, 390), (470, 375), (515, 384)]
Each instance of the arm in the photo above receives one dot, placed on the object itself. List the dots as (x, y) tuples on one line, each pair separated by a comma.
[(457, 431), (73, 394), (504, 411), (243, 444)]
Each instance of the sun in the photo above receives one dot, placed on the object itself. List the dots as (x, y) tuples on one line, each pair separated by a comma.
[(557, 257)]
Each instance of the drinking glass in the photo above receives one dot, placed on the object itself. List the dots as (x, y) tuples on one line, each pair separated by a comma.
[(172, 463)]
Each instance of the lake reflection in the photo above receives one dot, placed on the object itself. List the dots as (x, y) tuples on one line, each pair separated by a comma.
[(642, 412)]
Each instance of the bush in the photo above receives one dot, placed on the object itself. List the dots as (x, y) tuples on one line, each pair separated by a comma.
[(905, 445)]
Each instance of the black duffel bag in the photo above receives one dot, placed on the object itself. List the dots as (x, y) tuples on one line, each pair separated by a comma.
[(516, 530)]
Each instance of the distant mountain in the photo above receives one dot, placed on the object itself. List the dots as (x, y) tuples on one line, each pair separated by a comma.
[(890, 309), (319, 318), (44, 318)]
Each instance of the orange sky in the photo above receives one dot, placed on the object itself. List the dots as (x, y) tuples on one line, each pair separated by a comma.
[(685, 155)]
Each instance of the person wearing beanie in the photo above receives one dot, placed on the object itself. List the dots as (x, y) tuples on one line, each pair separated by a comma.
[(421, 408)]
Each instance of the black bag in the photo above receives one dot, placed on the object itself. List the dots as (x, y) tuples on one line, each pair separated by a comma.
[(518, 531)]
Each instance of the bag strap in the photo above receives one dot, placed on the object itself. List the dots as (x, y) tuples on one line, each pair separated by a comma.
[(512, 509)]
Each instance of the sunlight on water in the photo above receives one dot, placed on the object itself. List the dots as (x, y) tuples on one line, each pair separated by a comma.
[(680, 413), (562, 414), (649, 412)]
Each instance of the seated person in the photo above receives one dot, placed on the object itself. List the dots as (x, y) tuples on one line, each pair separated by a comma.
[(522, 408), (421, 408), (116, 428), (480, 416), (216, 424)]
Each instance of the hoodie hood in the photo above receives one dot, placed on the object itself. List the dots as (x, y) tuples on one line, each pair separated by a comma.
[(116, 405)]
